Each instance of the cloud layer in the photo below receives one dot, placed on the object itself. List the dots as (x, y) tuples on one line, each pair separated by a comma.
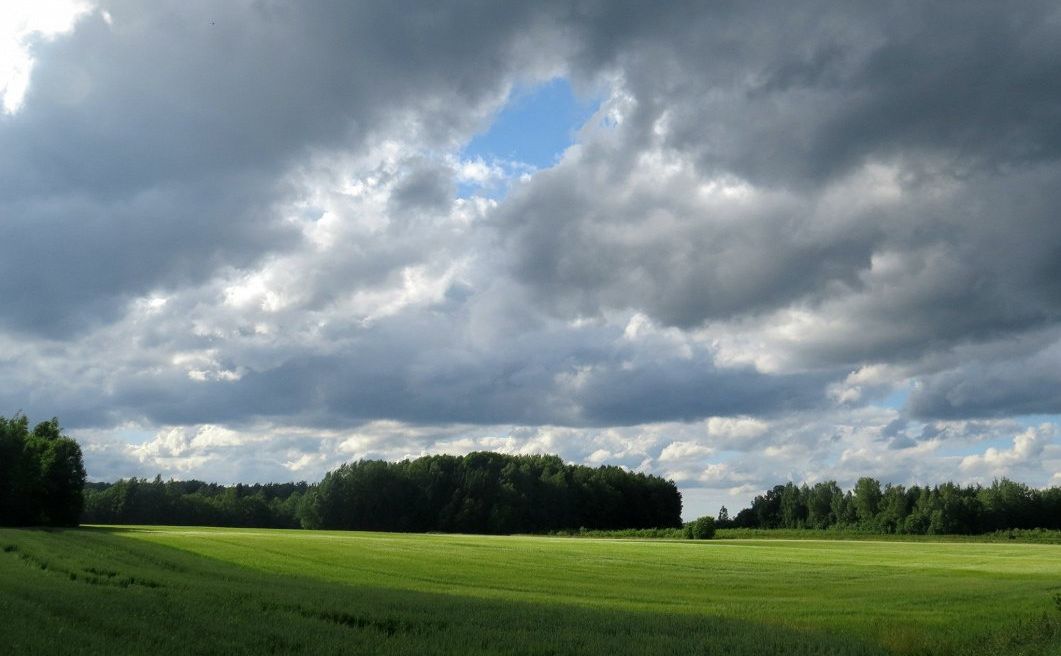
[(802, 242)]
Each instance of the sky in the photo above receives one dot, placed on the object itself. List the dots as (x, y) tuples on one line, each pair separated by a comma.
[(732, 244)]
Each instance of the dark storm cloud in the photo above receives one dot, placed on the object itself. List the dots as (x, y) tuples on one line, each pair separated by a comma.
[(786, 94), (954, 109), (149, 152)]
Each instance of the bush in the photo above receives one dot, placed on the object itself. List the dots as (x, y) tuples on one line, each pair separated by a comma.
[(701, 529)]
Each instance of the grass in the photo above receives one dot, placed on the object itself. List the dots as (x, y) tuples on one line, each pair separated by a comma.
[(228, 591), (1033, 536)]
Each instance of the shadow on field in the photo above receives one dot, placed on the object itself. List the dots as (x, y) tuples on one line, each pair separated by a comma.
[(92, 591)]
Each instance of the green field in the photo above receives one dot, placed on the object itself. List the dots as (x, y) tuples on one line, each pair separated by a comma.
[(226, 591)]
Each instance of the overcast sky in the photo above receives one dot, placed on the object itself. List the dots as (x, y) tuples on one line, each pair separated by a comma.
[(733, 244)]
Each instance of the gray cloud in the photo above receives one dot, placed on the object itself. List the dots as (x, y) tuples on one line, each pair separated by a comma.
[(420, 367), (425, 187), (881, 184), (151, 151), (587, 239), (795, 93), (986, 386), (237, 229)]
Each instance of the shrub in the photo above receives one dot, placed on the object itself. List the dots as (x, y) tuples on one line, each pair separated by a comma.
[(701, 529)]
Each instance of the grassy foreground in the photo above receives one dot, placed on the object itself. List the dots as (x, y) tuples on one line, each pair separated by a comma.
[(227, 591), (1014, 536)]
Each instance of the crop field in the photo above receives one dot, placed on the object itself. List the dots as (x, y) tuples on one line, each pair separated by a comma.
[(175, 590)]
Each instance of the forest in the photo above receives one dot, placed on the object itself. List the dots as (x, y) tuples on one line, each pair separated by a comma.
[(947, 508), (478, 493), (194, 503), (496, 493)]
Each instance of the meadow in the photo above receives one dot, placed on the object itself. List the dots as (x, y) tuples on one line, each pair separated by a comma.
[(162, 590)]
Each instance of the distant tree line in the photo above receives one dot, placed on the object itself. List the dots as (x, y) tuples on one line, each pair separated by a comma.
[(478, 493), (194, 503), (941, 509), (42, 482), (42, 475)]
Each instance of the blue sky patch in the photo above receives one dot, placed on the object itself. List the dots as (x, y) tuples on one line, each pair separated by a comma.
[(896, 399), (535, 126)]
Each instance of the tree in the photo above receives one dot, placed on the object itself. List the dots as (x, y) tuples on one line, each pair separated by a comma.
[(42, 474), (957, 510), (917, 522), (1008, 504), (13, 498), (842, 508), (893, 509), (793, 508), (767, 508), (723, 518), (820, 504), (866, 500)]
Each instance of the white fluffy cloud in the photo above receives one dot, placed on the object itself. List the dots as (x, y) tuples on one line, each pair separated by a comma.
[(1026, 453), (24, 23)]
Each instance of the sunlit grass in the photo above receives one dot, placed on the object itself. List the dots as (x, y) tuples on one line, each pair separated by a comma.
[(153, 589)]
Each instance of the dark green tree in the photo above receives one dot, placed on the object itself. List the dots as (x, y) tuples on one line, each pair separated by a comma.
[(42, 474), (893, 508), (793, 508), (489, 493), (866, 499), (820, 504)]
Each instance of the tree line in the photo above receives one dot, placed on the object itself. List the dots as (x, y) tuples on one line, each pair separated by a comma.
[(194, 503), (42, 474), (478, 493), (42, 483), (490, 493), (948, 508)]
